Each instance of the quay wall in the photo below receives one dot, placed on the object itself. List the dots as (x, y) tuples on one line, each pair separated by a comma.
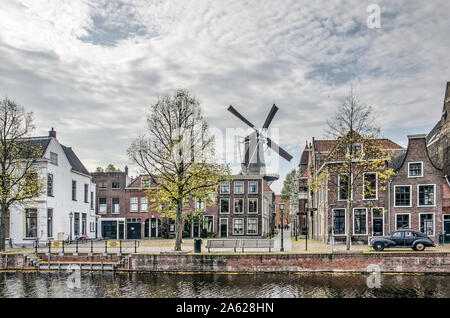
[(265, 263)]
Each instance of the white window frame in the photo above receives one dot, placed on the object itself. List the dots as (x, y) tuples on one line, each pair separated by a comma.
[(410, 196), (112, 206), (345, 221), (248, 206), (434, 196), (143, 200), (353, 221), (339, 187), (243, 187), (243, 226), (257, 224), (410, 163), (257, 187), (100, 205), (409, 220), (434, 223), (56, 156), (213, 223), (132, 203), (376, 186), (234, 206), (220, 205), (229, 187), (372, 218)]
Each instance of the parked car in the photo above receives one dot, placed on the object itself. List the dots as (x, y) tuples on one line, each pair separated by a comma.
[(404, 239)]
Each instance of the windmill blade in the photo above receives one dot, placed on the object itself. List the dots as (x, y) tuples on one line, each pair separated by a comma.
[(238, 115), (270, 117), (283, 153)]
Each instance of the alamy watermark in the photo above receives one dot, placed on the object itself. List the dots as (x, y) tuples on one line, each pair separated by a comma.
[(374, 18)]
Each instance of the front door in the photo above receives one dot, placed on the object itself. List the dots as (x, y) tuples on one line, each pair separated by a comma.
[(378, 227), (447, 229), (147, 228), (153, 228), (134, 231), (121, 230), (223, 227), (196, 230), (109, 230)]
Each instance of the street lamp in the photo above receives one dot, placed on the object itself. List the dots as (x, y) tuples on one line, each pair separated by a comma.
[(70, 216), (282, 227)]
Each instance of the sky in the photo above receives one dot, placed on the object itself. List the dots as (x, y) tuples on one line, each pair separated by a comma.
[(91, 69)]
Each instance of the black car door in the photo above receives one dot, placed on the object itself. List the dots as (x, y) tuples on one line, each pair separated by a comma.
[(398, 238), (410, 237)]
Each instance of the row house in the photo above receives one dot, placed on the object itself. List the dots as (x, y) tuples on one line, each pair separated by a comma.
[(417, 196), (67, 207)]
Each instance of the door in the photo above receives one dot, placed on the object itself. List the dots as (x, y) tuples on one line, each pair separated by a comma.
[(109, 230), (134, 231), (398, 238), (147, 228), (223, 227), (121, 230), (196, 230), (447, 229), (378, 227), (410, 237), (153, 228)]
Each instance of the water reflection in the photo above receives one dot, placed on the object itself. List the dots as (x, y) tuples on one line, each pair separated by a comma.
[(110, 285)]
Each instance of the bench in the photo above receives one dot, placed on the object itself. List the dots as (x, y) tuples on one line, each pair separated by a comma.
[(222, 244), (257, 244)]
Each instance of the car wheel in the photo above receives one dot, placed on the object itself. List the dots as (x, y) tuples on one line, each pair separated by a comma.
[(378, 246), (419, 247)]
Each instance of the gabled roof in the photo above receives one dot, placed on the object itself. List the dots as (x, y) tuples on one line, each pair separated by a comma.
[(324, 145), (37, 142), (74, 161)]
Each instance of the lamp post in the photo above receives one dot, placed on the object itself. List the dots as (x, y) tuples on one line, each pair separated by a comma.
[(282, 226), (70, 216)]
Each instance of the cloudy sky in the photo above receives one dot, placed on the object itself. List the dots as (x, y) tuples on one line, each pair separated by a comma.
[(90, 69)]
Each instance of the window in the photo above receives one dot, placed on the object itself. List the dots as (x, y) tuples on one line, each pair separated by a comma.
[(252, 205), (339, 221), (402, 196), (208, 223), (91, 226), (116, 185), (225, 188), (370, 186), (252, 226), (53, 158), (103, 184), (31, 179), (200, 204), (134, 204), (252, 187), (83, 223), (377, 213), (92, 200), (225, 206), (238, 206), (144, 204), (238, 226), (30, 223), (74, 190), (76, 223), (50, 185), (49, 222), (343, 187), (102, 207), (238, 187), (357, 149), (415, 169), (427, 224), (86, 193), (145, 183), (360, 221), (402, 221), (115, 205), (426, 195)]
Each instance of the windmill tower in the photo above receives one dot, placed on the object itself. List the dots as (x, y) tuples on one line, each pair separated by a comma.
[(253, 162)]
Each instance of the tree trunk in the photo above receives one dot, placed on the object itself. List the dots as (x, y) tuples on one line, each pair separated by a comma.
[(178, 227), (3, 227), (348, 225)]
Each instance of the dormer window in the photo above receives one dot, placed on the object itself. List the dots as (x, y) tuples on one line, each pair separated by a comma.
[(415, 169), (145, 183), (356, 149)]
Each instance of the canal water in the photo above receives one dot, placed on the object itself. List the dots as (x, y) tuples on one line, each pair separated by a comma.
[(110, 285)]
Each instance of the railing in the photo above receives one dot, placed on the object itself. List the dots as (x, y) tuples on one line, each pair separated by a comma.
[(89, 247)]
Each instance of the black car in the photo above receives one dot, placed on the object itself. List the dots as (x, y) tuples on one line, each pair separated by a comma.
[(403, 238)]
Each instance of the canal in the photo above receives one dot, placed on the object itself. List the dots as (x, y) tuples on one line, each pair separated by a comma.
[(111, 285)]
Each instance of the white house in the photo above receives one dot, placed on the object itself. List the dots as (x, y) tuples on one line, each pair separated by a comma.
[(68, 205)]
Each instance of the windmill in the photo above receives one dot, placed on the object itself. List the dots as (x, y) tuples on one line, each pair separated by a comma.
[(253, 161)]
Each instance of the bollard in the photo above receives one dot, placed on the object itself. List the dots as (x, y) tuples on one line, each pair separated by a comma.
[(76, 248), (63, 247), (92, 246), (106, 247), (135, 246), (36, 247), (120, 247), (49, 247)]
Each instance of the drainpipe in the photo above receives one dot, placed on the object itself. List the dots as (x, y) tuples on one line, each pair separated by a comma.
[(389, 205)]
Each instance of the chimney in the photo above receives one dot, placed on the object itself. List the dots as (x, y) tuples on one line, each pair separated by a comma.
[(52, 133), (126, 170)]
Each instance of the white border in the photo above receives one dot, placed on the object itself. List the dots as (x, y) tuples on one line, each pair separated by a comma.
[(353, 221), (243, 227), (213, 227), (382, 218), (234, 206), (345, 220), (434, 223), (220, 226), (248, 206), (410, 196), (257, 187), (220, 205), (409, 163), (243, 187), (257, 228), (376, 185), (339, 188), (434, 196), (229, 187), (395, 220)]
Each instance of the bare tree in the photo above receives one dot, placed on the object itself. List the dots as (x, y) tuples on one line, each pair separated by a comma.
[(178, 154), (19, 179)]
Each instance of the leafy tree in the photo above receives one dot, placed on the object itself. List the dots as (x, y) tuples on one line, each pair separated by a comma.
[(178, 154), (289, 193), (357, 151), (99, 169), (19, 156), (111, 168)]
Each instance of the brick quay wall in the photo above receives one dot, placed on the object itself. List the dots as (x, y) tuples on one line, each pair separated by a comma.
[(267, 263)]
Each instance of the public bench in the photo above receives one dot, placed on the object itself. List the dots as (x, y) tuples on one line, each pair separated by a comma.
[(222, 244), (257, 244)]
